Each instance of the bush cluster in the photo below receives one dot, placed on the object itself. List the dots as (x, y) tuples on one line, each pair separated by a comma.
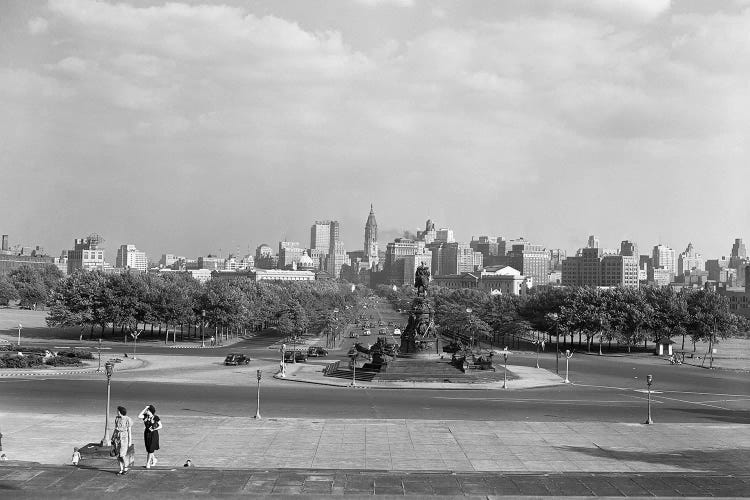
[(21, 361), (63, 361)]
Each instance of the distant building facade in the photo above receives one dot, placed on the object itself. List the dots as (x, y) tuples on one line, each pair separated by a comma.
[(532, 261), (87, 255), (129, 257), (690, 260)]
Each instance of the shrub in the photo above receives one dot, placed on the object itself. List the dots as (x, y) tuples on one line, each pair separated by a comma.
[(76, 353), (63, 361), (21, 361)]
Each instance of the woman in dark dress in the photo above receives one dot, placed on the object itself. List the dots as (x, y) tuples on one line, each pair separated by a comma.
[(150, 433)]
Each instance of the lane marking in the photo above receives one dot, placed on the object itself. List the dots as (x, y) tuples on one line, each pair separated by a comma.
[(666, 392), (546, 401), (697, 403)]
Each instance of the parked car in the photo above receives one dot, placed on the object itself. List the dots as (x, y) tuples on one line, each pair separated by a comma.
[(366, 332), (353, 335), (396, 332), (236, 359), (315, 351), (295, 356), (382, 331)]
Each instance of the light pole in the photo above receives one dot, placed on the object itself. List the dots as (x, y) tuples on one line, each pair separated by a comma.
[(354, 367), (203, 320), (135, 335), (99, 352), (469, 310), (257, 407), (109, 368), (568, 355), (649, 381), (506, 352), (294, 349), (19, 334)]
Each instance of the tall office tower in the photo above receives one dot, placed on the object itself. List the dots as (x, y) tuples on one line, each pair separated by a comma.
[(371, 235), (485, 245), (738, 249), (664, 258), (717, 269), (531, 260), (264, 257), (320, 236), (628, 248), (502, 246), (4, 246), (738, 260), (429, 233), (87, 254), (557, 256), (444, 235), (333, 233), (336, 258), (593, 242), (129, 257), (290, 253), (594, 267), (456, 258), (690, 260), (402, 257)]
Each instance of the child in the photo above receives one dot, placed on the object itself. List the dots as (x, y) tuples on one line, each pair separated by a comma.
[(76, 456)]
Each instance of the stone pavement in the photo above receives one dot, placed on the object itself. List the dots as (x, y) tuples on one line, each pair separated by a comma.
[(81, 483), (400, 445)]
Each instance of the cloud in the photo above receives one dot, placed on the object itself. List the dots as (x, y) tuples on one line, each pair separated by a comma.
[(38, 25), (378, 3), (620, 10)]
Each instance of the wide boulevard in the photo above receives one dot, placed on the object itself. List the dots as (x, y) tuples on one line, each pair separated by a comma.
[(608, 389)]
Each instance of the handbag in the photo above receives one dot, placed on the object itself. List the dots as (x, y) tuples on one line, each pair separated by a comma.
[(113, 445)]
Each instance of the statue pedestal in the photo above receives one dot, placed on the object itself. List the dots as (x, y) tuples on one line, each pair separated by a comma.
[(419, 336)]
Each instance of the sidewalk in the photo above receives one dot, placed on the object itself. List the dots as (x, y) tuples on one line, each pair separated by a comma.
[(400, 445), (81, 483)]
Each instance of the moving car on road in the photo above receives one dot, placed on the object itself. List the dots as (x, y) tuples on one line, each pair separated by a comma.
[(295, 356), (315, 351), (235, 359)]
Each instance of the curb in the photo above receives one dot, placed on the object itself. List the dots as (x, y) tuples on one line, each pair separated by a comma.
[(51, 372)]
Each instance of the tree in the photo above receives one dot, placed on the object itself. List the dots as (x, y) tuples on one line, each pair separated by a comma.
[(29, 285), (8, 292)]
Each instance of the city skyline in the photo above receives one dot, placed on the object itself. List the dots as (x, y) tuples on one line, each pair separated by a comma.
[(187, 128)]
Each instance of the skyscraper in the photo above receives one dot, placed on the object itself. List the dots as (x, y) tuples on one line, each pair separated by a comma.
[(532, 260), (593, 242), (320, 236), (664, 258), (628, 248), (371, 235), (129, 257), (690, 260), (738, 249)]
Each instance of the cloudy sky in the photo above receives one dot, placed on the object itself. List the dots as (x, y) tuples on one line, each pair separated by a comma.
[(186, 127)]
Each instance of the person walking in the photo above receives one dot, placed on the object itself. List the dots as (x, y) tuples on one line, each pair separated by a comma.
[(151, 433), (122, 438)]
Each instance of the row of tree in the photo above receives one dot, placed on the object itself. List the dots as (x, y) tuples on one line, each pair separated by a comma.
[(31, 286), (131, 301), (624, 315)]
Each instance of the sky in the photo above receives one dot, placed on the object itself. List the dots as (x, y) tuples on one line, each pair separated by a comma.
[(203, 127)]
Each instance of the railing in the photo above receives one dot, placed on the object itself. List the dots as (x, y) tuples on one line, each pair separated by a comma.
[(331, 367)]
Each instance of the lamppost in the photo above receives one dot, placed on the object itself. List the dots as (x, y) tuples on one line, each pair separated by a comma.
[(506, 352), (568, 355), (353, 355), (99, 352), (649, 381), (469, 310), (538, 342), (109, 368), (257, 407), (19, 333), (203, 320), (294, 349), (135, 335)]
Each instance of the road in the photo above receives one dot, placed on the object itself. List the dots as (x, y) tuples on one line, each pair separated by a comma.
[(604, 389)]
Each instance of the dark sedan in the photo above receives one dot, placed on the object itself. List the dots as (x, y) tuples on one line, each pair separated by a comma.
[(236, 359)]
